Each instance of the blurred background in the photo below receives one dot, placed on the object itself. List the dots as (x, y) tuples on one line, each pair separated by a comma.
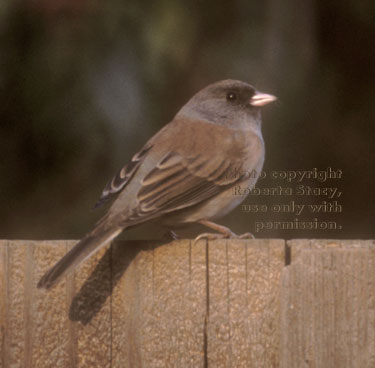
[(84, 84)]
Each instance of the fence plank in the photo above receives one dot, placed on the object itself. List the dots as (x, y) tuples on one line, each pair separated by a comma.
[(327, 305), (243, 328), (160, 307), (35, 325)]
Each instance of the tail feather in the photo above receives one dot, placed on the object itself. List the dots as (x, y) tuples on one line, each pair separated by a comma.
[(90, 244)]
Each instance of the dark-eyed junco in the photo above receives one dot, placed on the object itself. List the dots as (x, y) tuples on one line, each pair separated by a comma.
[(184, 173)]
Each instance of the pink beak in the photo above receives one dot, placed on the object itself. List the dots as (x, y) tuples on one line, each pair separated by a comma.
[(261, 99)]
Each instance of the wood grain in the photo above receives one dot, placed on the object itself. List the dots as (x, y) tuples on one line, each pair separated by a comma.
[(35, 326), (194, 305), (223, 303), (142, 304), (327, 305)]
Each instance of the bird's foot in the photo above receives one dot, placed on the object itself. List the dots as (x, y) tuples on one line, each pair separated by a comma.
[(224, 232), (227, 235), (214, 236)]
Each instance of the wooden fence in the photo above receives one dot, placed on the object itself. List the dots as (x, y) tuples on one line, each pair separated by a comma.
[(225, 303)]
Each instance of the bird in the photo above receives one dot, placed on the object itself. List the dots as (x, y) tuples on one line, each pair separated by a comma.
[(184, 173)]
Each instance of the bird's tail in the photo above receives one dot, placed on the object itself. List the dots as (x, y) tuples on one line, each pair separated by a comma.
[(90, 244)]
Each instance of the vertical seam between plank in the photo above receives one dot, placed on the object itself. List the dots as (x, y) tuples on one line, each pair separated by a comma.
[(205, 339), (228, 302)]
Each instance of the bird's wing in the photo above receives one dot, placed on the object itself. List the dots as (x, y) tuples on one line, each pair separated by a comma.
[(203, 161), (119, 181), (177, 182)]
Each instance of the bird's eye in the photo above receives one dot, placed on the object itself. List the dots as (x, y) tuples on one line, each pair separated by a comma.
[(231, 96)]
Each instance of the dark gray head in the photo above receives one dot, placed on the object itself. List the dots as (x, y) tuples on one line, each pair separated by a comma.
[(229, 102)]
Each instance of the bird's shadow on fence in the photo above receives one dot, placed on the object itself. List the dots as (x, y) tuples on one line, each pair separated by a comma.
[(100, 284)]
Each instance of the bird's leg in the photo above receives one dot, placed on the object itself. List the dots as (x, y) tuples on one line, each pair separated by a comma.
[(224, 232)]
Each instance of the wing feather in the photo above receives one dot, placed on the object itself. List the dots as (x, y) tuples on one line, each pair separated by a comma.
[(119, 181)]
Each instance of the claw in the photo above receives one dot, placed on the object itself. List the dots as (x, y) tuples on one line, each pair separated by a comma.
[(246, 236), (208, 236), (169, 234), (173, 235)]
